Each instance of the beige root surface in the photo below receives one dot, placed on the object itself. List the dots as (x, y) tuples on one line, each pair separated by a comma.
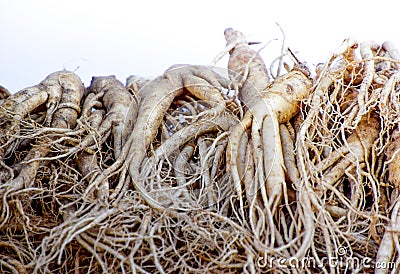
[(193, 172)]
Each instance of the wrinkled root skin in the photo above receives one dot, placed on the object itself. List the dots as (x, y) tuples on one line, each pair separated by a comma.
[(194, 172)]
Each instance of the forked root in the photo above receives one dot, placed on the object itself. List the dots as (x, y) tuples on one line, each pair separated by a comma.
[(193, 172)]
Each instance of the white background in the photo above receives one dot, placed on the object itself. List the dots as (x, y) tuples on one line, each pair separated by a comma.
[(145, 37)]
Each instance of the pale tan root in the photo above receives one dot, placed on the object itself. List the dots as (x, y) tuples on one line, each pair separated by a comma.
[(217, 189), (273, 161), (352, 64), (393, 155), (276, 107), (390, 48), (279, 101), (273, 105), (206, 183), (24, 102), (232, 152), (4, 94), (169, 146), (387, 246), (303, 198), (308, 201), (367, 50), (242, 154), (345, 173), (202, 89), (325, 80), (224, 122), (288, 150), (247, 70), (282, 98), (63, 116), (66, 232), (18, 107), (87, 164), (134, 83), (359, 146), (181, 170), (157, 97), (121, 109)]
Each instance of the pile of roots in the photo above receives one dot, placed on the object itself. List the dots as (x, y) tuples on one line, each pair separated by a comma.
[(194, 171)]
